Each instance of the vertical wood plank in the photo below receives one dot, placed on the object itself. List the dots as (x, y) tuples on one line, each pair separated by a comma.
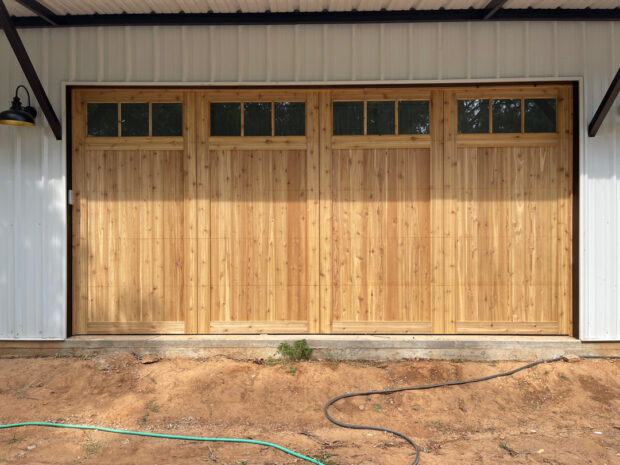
[(203, 193), (437, 199), (80, 218), (313, 235), (326, 212), (452, 294), (189, 222)]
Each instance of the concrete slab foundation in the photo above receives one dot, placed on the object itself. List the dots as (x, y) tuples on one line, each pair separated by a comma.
[(355, 347)]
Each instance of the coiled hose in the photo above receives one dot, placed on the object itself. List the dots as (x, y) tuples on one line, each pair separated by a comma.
[(326, 410), (429, 386)]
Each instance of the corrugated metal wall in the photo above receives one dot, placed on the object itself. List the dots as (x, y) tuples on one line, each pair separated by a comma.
[(32, 165)]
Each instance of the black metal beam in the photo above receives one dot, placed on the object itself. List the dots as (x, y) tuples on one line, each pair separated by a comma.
[(40, 10), (605, 106), (322, 17), (29, 71), (492, 8)]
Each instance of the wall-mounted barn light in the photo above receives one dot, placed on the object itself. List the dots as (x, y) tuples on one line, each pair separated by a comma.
[(18, 115)]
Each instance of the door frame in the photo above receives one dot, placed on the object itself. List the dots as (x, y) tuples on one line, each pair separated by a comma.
[(578, 150)]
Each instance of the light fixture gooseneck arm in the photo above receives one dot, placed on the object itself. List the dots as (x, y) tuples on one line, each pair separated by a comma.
[(27, 93)]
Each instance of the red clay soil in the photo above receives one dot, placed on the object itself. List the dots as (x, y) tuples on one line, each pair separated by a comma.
[(562, 413)]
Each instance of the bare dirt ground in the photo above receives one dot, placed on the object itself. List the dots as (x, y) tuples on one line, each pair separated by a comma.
[(562, 413)]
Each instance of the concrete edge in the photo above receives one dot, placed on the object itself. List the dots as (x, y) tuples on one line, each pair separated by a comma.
[(474, 348)]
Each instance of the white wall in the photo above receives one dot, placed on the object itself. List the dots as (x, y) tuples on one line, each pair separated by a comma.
[(32, 165)]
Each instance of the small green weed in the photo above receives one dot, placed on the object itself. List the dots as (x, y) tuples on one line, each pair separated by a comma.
[(439, 425), (511, 451), (325, 459), (272, 362), (90, 447), (565, 378), (298, 351), (150, 407), (14, 439), (291, 370), (377, 407)]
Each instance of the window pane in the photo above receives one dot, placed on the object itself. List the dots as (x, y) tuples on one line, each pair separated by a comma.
[(225, 119), (413, 117), (540, 115), (102, 119), (290, 118), (507, 115), (167, 119), (473, 116), (257, 119), (380, 117), (134, 119), (348, 118)]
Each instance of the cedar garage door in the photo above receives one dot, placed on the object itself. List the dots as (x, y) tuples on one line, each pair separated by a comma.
[(417, 210)]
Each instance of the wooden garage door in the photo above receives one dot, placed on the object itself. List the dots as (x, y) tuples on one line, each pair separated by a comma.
[(258, 191), (508, 210), (381, 214), (333, 211), (133, 221)]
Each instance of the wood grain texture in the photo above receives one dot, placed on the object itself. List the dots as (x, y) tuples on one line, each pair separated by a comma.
[(436, 233), (508, 228), (264, 235)]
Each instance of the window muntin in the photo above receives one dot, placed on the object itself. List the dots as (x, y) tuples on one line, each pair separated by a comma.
[(134, 119), (507, 116), (258, 119), (381, 117)]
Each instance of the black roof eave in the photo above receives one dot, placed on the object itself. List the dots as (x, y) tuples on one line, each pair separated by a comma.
[(323, 17)]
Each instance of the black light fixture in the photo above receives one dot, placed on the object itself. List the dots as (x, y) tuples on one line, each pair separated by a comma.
[(18, 115)]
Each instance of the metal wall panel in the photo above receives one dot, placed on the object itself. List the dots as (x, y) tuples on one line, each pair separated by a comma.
[(33, 246)]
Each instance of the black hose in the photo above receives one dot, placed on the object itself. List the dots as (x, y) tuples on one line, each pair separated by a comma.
[(432, 386)]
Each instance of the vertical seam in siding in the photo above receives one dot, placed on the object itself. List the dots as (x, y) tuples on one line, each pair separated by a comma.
[(556, 62), (526, 46), (100, 55), (498, 39), (185, 49), (585, 235), (615, 332), (324, 48), (128, 55), (18, 309), (268, 60), (72, 54), (382, 51), (296, 52), (468, 56), (410, 50), (439, 52), (211, 53), (156, 53), (354, 60), (240, 62)]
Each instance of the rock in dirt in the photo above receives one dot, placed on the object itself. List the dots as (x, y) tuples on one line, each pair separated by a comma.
[(571, 358), (148, 359)]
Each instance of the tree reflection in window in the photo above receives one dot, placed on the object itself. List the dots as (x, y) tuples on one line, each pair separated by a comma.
[(473, 116), (506, 115)]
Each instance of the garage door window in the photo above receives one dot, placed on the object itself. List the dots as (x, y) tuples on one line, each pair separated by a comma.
[(238, 119), (135, 119), (381, 117)]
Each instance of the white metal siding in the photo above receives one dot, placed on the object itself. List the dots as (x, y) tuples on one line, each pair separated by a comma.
[(33, 228)]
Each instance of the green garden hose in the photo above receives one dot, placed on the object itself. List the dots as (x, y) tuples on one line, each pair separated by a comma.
[(166, 436)]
